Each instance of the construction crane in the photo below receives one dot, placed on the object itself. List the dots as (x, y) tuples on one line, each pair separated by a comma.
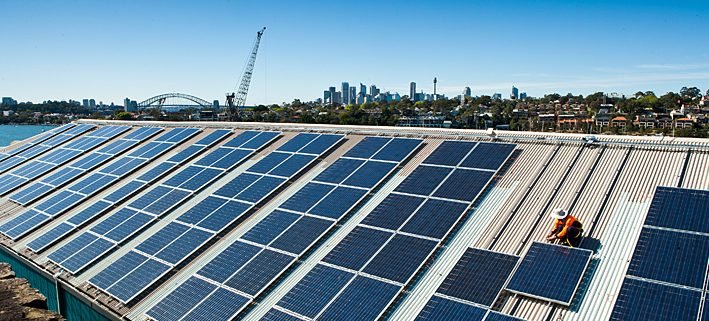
[(234, 101)]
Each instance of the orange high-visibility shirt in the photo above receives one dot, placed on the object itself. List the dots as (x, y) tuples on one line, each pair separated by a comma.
[(570, 220)]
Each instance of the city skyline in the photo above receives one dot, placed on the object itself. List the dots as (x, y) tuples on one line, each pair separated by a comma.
[(581, 48)]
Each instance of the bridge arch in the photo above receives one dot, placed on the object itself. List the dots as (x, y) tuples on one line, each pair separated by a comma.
[(159, 101)]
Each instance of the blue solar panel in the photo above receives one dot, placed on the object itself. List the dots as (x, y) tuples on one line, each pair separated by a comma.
[(127, 288), (270, 227), (118, 269), (183, 246), (551, 272), (181, 300), (168, 201), (50, 237), (393, 211), (363, 299), (449, 153), (659, 251), (259, 189), (241, 138), (682, 209), (297, 142), (435, 218), (292, 165), (214, 156), (642, 301), (423, 180), (397, 149), (440, 309), (202, 179), (128, 227), (357, 248), (463, 184), (88, 213), (479, 276), (124, 191), (162, 238), (321, 144), (488, 155), (301, 234), (229, 261), (237, 185), (72, 247), (157, 171), (197, 213), (232, 159), (87, 254), (267, 163), (323, 281), (370, 174), (367, 147), (338, 202), (220, 305), (260, 140), (339, 170), (400, 258), (224, 216), (306, 197), (259, 271)]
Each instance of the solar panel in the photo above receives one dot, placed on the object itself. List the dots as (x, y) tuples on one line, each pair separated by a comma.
[(449, 153), (363, 299), (220, 305), (494, 316), (248, 196), (682, 209), (640, 301), (550, 272), (339, 170), (394, 253), (659, 251), (397, 149), (294, 227), (322, 280), (367, 147), (479, 276), (488, 155), (181, 300), (276, 315), (441, 309)]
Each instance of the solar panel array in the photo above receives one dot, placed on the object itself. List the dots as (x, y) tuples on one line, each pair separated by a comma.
[(86, 164), (38, 139), (134, 186), (76, 193), (130, 219), (471, 288), (248, 266), (667, 274), (362, 275), (43, 147), (550, 272), (145, 264)]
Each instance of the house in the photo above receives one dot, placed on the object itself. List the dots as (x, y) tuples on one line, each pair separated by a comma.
[(684, 123), (644, 122), (602, 120), (619, 121)]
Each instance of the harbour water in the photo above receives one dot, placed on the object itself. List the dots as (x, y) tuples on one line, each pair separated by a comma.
[(10, 133)]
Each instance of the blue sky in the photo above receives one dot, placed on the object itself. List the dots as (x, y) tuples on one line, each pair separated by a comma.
[(109, 50)]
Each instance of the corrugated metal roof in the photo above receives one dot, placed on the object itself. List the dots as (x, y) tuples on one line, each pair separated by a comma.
[(607, 185)]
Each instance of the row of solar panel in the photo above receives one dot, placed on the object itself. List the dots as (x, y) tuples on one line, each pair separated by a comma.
[(673, 239), (83, 189), (252, 263), (87, 163), (131, 219), (41, 242), (55, 158), (43, 147), (38, 139), (371, 265), (163, 251)]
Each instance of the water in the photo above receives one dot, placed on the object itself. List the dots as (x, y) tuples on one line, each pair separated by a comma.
[(10, 133)]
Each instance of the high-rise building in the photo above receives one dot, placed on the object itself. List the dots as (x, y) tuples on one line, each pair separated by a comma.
[(345, 93), (362, 89), (215, 104), (337, 97), (373, 91), (412, 91), (467, 92), (515, 93), (497, 96), (353, 95), (326, 97), (130, 105), (85, 103), (92, 103), (333, 99), (523, 96), (8, 101)]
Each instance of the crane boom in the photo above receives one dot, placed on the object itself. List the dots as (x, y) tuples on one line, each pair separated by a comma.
[(234, 101)]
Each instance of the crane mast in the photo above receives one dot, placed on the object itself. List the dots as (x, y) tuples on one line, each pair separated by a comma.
[(234, 101)]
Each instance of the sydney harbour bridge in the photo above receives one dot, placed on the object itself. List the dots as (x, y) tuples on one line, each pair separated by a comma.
[(232, 105)]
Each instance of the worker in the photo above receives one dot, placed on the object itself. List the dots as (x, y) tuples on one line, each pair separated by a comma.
[(567, 228)]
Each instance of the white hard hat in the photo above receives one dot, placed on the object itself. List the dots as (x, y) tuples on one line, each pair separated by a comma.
[(558, 213)]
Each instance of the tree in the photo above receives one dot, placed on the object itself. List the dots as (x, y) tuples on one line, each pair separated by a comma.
[(690, 93), (123, 115)]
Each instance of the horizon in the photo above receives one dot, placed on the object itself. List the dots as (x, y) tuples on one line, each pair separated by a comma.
[(86, 50)]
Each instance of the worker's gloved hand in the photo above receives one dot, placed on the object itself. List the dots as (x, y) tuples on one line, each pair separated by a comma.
[(551, 238)]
